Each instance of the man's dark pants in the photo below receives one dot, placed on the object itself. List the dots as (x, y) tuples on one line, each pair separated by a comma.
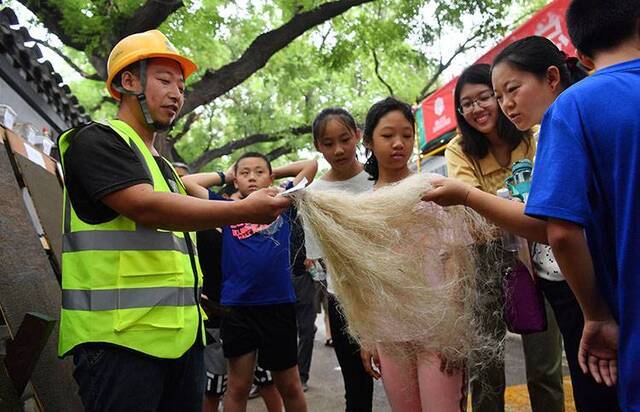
[(112, 378)]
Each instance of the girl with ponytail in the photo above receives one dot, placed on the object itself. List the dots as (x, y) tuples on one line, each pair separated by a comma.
[(482, 154)]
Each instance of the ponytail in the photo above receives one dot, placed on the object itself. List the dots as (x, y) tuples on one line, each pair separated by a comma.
[(371, 166), (577, 72)]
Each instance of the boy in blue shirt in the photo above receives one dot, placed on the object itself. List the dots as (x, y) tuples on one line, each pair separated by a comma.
[(256, 284), (587, 185)]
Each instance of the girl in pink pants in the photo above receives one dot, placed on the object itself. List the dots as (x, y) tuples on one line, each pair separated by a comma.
[(420, 382)]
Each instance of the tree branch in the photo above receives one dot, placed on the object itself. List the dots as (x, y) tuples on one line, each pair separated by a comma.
[(377, 70), (278, 152), (175, 155), (218, 82), (442, 66), (212, 137), (149, 16), (94, 76), (325, 36), (51, 16), (191, 119), (230, 147), (234, 145), (105, 99)]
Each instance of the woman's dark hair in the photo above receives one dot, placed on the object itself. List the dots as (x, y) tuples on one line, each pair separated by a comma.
[(599, 25), (535, 54), (375, 113), (474, 143), (322, 119)]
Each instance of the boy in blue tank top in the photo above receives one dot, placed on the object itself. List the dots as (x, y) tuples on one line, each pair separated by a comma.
[(256, 284), (587, 185)]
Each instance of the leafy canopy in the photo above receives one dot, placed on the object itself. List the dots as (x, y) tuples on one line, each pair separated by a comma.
[(353, 59)]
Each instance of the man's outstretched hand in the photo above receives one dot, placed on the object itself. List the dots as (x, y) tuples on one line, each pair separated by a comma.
[(263, 206)]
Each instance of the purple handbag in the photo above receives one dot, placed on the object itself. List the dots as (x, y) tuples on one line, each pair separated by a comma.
[(524, 310)]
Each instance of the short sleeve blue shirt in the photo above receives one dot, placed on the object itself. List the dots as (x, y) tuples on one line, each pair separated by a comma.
[(255, 262), (588, 172)]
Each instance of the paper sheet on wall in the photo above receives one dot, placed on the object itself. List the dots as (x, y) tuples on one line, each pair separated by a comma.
[(35, 156)]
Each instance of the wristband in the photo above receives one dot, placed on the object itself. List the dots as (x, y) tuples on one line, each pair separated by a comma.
[(222, 178)]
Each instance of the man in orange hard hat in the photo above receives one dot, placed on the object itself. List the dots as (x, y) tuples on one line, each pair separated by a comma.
[(131, 314)]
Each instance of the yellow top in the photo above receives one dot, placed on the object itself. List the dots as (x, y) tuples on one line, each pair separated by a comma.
[(486, 173)]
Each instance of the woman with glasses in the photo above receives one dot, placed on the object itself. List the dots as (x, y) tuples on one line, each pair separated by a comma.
[(482, 155)]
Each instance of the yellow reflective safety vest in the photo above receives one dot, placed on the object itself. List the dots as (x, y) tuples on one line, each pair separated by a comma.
[(126, 284)]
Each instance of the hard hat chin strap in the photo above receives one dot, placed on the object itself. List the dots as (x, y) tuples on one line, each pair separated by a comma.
[(142, 99)]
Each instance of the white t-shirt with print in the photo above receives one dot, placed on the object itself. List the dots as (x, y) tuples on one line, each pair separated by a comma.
[(545, 263)]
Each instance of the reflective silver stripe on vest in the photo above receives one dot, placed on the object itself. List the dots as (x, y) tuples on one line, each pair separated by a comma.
[(113, 299), (146, 239)]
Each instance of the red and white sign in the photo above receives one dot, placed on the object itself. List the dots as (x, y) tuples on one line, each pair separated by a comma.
[(438, 113), (439, 110), (548, 22)]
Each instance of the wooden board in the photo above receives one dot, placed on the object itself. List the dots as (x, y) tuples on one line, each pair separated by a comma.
[(28, 284), (43, 186)]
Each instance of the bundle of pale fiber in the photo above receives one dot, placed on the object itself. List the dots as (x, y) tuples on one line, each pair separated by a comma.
[(404, 270)]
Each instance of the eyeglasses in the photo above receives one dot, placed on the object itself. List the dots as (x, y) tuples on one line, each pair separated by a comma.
[(483, 101)]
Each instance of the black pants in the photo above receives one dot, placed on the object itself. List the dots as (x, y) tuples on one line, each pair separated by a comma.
[(305, 289), (587, 393), (358, 385), (111, 378)]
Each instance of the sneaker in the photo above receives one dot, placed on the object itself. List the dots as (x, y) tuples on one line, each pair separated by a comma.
[(305, 387), (254, 392)]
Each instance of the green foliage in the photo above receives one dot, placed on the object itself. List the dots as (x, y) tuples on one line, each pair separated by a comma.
[(331, 65)]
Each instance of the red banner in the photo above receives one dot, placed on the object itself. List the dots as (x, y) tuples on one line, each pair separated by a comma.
[(438, 113), (548, 22), (438, 110)]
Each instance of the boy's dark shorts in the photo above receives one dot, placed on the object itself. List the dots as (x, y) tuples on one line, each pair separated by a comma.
[(269, 329)]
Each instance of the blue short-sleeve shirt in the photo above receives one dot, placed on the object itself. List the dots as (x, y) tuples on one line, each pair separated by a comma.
[(256, 269), (588, 172)]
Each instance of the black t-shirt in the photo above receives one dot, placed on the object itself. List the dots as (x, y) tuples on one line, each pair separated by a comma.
[(210, 257), (98, 162), (298, 253)]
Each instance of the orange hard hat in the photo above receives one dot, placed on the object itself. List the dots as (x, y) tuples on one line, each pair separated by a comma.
[(142, 46)]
